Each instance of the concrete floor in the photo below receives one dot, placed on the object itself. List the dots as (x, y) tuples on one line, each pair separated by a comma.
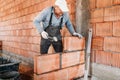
[(104, 72)]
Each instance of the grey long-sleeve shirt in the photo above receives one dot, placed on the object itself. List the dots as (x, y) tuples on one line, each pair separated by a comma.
[(41, 21)]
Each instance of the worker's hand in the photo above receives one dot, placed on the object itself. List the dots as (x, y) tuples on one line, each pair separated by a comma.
[(77, 34), (44, 35)]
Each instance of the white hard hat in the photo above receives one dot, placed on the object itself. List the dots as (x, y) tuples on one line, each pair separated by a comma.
[(62, 4)]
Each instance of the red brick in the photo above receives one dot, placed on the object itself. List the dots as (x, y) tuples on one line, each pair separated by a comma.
[(17, 51), (82, 57), (64, 74), (98, 58), (31, 54), (73, 43), (35, 64), (72, 58), (56, 75), (104, 29), (72, 8), (45, 4), (35, 77), (48, 76), (0, 43), (97, 15), (70, 1), (35, 47), (30, 39), (61, 74), (72, 18), (36, 40), (112, 44), (23, 53), (34, 32), (116, 28), (73, 72), (97, 43), (116, 1), (104, 3), (92, 4), (112, 13), (115, 60), (81, 69), (25, 46), (103, 57), (46, 63), (65, 32), (93, 26), (27, 4), (93, 56), (26, 69)]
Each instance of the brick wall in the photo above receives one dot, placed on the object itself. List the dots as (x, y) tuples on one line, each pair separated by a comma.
[(66, 66), (105, 22), (17, 32)]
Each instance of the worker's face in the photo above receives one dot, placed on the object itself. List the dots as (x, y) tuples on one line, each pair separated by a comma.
[(58, 11)]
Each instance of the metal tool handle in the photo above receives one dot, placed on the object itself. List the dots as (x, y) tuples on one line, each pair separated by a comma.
[(88, 51), (53, 38)]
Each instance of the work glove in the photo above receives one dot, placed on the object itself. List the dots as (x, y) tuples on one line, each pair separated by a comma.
[(77, 34), (44, 35)]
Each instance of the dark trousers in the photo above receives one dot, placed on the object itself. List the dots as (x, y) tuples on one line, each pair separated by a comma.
[(45, 44)]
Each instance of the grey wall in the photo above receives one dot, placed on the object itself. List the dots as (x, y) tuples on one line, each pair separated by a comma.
[(82, 16)]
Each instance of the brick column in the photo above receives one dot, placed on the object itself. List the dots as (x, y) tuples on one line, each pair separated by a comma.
[(82, 16)]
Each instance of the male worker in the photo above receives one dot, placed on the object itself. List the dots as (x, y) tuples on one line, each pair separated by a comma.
[(49, 23)]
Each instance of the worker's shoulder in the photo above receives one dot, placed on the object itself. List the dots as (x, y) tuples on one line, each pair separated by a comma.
[(66, 15)]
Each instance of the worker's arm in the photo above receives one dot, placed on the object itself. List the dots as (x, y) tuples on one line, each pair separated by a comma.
[(70, 27), (39, 19), (69, 24)]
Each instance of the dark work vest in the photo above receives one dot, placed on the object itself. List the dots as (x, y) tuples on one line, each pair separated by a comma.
[(54, 31)]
